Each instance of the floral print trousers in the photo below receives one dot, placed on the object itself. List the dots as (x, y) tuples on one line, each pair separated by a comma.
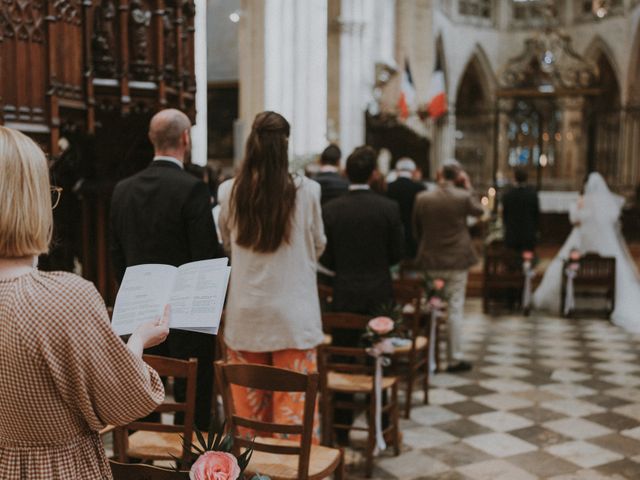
[(277, 407)]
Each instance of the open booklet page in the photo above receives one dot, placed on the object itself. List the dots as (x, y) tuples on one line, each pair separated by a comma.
[(195, 291)]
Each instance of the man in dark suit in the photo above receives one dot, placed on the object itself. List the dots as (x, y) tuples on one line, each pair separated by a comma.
[(364, 239), (163, 215), (332, 184), (520, 212), (404, 190)]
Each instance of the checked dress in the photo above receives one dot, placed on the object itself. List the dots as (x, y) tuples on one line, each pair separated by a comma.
[(64, 375)]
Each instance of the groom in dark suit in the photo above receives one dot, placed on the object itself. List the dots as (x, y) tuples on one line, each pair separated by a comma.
[(364, 239), (163, 215), (520, 213)]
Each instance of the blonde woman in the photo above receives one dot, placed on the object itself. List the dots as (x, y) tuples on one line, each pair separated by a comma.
[(64, 374)]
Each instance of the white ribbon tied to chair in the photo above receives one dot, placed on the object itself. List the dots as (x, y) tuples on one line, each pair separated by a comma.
[(529, 273), (378, 351), (436, 313), (569, 298)]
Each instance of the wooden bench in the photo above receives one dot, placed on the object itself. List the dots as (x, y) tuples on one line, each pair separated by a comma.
[(594, 287)]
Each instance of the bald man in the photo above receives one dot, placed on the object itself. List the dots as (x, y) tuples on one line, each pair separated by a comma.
[(163, 215)]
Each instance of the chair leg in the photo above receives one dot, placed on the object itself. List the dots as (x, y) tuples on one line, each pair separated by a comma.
[(410, 381), (395, 418), (338, 474)]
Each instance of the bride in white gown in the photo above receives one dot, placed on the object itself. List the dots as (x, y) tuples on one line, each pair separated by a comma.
[(596, 229)]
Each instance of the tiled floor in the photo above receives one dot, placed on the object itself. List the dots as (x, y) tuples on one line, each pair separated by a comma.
[(548, 398)]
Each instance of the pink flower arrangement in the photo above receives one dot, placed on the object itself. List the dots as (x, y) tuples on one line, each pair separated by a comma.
[(435, 302), (527, 255), (215, 466), (381, 325), (438, 284), (574, 255)]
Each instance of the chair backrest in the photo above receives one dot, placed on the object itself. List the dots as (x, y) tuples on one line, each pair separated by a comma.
[(411, 292), (500, 261), (263, 377), (139, 471), (170, 367), (344, 321), (343, 360), (595, 269)]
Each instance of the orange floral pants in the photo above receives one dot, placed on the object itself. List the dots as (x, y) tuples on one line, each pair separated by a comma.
[(277, 407)]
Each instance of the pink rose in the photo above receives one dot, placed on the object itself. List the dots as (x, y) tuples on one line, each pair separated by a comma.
[(574, 255), (215, 466), (438, 284), (527, 255), (381, 325), (435, 302)]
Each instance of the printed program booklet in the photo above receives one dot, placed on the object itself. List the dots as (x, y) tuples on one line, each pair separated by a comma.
[(195, 291)]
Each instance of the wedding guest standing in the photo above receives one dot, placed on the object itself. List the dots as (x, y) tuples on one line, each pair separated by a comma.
[(332, 183), (365, 238), (404, 190), (65, 374), (271, 222), (163, 215), (520, 212), (444, 245)]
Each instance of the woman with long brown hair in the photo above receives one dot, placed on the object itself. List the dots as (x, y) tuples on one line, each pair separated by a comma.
[(272, 223)]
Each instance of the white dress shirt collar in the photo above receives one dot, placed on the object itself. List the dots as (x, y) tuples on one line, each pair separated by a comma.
[(169, 159), (359, 186)]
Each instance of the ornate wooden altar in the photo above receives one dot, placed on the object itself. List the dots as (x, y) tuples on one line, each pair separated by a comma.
[(83, 79)]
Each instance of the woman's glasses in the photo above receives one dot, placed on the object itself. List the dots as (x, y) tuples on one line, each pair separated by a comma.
[(56, 193)]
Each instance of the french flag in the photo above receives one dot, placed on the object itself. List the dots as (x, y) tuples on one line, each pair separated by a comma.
[(437, 103), (406, 102)]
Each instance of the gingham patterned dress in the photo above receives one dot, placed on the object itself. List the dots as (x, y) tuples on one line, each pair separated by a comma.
[(64, 375)]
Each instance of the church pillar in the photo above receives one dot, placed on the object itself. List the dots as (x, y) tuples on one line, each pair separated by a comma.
[(283, 67), (573, 152), (360, 34)]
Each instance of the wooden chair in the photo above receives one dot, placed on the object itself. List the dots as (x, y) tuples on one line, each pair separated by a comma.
[(276, 458), (412, 361), (155, 440), (139, 471), (595, 281), (503, 279), (350, 370)]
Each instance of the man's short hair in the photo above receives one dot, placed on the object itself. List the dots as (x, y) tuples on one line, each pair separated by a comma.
[(451, 169), (331, 155), (406, 165), (361, 164), (166, 129), (520, 174)]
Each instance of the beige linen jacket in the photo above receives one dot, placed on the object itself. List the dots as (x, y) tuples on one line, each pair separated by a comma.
[(440, 227)]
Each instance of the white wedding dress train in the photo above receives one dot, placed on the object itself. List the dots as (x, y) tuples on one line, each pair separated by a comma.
[(596, 230)]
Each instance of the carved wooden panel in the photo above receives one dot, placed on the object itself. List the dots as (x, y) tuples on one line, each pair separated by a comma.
[(66, 43), (104, 39), (22, 66)]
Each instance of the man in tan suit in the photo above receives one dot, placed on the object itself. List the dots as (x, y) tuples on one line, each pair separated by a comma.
[(444, 245)]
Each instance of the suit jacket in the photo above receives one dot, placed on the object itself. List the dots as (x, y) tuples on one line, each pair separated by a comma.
[(161, 215), (332, 185), (404, 191), (440, 224), (520, 215), (364, 239)]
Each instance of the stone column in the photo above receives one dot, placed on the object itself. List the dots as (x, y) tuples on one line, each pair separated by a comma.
[(283, 67)]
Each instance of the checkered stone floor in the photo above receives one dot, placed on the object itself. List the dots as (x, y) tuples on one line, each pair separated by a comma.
[(548, 398)]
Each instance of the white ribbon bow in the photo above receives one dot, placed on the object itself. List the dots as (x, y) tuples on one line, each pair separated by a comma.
[(569, 298), (529, 273), (378, 351)]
